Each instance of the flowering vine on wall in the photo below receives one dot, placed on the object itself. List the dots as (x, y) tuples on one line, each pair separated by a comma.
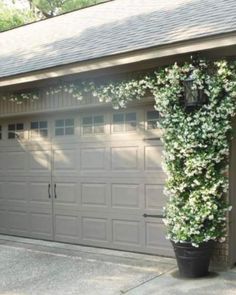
[(21, 96), (197, 150), (196, 144)]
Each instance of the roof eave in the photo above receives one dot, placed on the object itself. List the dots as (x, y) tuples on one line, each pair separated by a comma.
[(158, 52)]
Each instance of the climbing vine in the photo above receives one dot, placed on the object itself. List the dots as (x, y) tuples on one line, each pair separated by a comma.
[(196, 144), (196, 149), (20, 97)]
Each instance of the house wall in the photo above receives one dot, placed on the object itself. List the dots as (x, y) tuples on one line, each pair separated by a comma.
[(54, 102), (46, 103)]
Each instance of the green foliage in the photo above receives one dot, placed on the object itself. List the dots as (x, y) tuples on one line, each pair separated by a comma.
[(196, 144), (20, 97), (197, 149), (77, 4), (50, 8), (11, 18)]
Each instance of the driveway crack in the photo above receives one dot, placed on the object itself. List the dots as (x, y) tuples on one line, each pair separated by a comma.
[(147, 281)]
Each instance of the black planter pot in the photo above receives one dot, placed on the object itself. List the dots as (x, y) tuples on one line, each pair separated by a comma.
[(193, 262)]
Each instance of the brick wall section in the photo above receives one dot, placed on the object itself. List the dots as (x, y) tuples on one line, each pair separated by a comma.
[(220, 259), (221, 254)]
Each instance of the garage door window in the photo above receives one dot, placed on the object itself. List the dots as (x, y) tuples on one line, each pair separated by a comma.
[(39, 128), (124, 122), (152, 119), (64, 127), (15, 130), (93, 125)]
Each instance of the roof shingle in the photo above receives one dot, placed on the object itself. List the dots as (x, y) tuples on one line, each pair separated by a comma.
[(114, 27)]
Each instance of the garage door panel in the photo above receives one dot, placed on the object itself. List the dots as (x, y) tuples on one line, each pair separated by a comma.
[(126, 232), (66, 193), (41, 225), (39, 193), (65, 160), (126, 196), (153, 157), (124, 158), (39, 161), (94, 229), (18, 221), (93, 158), (67, 228), (154, 197), (16, 191), (155, 237), (14, 161), (94, 195)]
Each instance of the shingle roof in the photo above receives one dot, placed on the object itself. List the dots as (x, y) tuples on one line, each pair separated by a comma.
[(114, 27)]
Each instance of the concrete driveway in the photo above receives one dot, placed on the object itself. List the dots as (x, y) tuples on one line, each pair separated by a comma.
[(29, 267)]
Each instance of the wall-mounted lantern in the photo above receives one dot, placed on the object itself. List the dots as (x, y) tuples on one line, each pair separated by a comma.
[(193, 97)]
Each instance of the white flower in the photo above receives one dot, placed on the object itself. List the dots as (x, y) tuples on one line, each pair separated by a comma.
[(195, 245)]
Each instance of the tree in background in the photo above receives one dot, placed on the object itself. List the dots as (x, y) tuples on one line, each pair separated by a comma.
[(11, 17), (50, 8)]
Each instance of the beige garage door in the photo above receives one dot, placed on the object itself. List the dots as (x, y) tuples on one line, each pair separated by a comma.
[(91, 178)]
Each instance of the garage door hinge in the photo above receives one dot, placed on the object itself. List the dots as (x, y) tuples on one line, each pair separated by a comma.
[(153, 216)]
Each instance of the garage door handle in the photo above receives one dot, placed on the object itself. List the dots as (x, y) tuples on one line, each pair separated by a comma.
[(55, 191), (153, 216), (49, 188)]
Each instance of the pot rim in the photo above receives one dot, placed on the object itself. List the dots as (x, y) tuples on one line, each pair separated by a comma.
[(189, 244)]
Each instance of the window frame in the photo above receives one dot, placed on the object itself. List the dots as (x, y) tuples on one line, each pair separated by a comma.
[(124, 123), (37, 132), (151, 120), (93, 125), (16, 132), (64, 127)]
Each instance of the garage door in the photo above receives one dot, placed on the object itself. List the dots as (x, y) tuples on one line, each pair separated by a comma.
[(91, 178)]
